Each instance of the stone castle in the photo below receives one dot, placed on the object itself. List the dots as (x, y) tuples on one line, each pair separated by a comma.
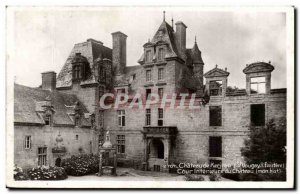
[(63, 117)]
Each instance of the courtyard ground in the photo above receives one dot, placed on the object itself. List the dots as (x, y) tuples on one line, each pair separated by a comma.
[(130, 174)]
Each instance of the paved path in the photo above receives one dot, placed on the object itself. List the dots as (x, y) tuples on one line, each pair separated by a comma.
[(130, 174)]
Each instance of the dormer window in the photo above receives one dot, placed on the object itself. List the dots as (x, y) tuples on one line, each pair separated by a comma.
[(148, 56), (258, 85), (80, 67), (76, 72), (48, 119), (77, 121), (161, 55)]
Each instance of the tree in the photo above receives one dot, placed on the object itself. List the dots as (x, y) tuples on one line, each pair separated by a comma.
[(266, 144)]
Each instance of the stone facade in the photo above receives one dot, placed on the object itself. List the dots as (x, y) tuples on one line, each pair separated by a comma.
[(148, 139)]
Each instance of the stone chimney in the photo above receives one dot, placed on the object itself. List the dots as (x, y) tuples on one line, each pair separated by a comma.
[(181, 36), (119, 52), (49, 80)]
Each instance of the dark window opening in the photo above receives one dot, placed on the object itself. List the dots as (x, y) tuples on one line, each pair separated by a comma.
[(47, 119), (257, 114), (58, 162), (157, 149), (77, 121), (160, 92), (215, 146), (76, 137), (148, 117), (215, 116), (148, 92), (160, 121)]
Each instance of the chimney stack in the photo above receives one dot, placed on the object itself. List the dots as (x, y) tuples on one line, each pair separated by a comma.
[(119, 52), (181, 35), (49, 80)]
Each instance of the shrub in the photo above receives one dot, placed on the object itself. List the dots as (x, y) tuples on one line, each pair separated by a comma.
[(47, 173), (214, 177), (81, 165), (19, 175), (194, 177)]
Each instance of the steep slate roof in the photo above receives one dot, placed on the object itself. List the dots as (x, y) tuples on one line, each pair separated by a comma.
[(129, 71), (91, 49), (196, 54), (166, 37), (27, 103)]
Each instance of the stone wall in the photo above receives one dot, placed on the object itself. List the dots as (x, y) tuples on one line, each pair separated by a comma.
[(45, 136)]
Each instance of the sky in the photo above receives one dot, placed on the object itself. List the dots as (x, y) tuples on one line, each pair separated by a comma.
[(42, 39)]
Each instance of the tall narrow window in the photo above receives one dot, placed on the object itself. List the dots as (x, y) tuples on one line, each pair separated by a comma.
[(76, 72), (27, 142), (161, 54), (120, 144), (76, 137), (42, 156), (215, 88), (258, 85), (102, 73), (148, 117), (160, 121), (121, 118), (148, 93), (148, 56), (160, 92), (148, 75), (160, 73), (257, 114), (215, 116), (215, 146)]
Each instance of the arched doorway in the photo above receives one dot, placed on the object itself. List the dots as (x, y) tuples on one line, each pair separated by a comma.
[(157, 149), (58, 162)]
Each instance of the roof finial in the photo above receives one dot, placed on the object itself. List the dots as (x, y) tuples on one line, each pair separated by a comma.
[(164, 15), (195, 39), (172, 22), (216, 66)]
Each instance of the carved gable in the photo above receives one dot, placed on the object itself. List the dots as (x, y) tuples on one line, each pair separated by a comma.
[(216, 72), (258, 67)]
